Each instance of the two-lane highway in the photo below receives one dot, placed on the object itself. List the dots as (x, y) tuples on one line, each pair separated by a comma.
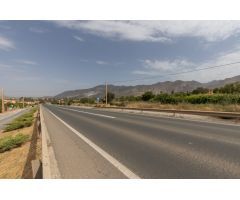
[(91, 143)]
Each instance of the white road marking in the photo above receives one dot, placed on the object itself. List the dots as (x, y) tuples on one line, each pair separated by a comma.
[(127, 172), (158, 115), (100, 115), (49, 162)]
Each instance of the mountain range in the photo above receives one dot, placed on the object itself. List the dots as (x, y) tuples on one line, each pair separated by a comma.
[(166, 87)]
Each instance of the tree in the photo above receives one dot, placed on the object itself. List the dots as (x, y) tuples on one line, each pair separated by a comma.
[(147, 96), (110, 97), (200, 90), (232, 88)]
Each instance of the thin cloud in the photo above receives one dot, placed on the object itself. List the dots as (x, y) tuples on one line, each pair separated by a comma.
[(3, 66), (156, 31), (10, 68), (163, 67), (6, 44), (83, 60), (62, 81), (100, 62), (5, 27), (38, 30), (78, 38), (27, 62), (27, 78), (121, 30)]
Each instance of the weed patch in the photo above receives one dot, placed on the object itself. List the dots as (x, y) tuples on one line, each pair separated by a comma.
[(10, 142), (23, 121)]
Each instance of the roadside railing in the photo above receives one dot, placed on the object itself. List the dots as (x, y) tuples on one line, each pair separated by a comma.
[(190, 112)]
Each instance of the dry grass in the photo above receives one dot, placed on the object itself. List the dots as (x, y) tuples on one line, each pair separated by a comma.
[(22, 121), (10, 142), (13, 162), (202, 107)]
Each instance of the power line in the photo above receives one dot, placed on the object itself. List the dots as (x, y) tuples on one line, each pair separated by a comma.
[(152, 77), (177, 73)]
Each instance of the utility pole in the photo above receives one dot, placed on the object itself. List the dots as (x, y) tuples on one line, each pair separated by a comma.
[(106, 94), (3, 109)]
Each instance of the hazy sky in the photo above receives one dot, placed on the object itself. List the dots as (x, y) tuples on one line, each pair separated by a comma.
[(40, 58)]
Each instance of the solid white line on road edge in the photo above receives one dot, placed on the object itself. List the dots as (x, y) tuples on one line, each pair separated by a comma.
[(107, 116), (161, 115), (49, 162), (127, 172)]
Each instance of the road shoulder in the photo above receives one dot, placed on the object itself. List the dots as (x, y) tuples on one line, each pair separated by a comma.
[(75, 158)]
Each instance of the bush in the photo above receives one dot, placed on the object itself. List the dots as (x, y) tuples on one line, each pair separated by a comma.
[(200, 90), (110, 97), (87, 100), (197, 98), (232, 88), (23, 121), (147, 96), (9, 142)]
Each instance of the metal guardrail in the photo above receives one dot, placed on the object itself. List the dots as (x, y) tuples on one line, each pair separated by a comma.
[(190, 112)]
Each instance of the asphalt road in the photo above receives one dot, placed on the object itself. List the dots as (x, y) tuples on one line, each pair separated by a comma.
[(149, 147), (8, 117)]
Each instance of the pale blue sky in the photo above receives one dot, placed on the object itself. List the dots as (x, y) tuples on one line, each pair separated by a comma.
[(39, 58)]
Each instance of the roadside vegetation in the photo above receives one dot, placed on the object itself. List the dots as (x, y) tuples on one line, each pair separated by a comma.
[(24, 120), (19, 146), (226, 98), (9, 142), (1, 106)]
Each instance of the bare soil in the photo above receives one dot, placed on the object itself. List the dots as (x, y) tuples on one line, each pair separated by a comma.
[(16, 163)]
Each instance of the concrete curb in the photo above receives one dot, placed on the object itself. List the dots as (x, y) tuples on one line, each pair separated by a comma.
[(49, 162), (187, 112), (183, 116)]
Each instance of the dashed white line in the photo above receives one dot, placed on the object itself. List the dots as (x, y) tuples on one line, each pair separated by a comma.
[(122, 168), (80, 111)]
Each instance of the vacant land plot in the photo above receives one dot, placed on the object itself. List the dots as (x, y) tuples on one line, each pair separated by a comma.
[(18, 147), (182, 106)]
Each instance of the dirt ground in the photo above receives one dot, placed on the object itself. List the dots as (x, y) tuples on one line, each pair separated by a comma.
[(202, 107), (16, 163)]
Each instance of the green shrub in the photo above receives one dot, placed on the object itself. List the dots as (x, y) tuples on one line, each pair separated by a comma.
[(86, 100), (23, 121), (197, 98), (9, 142), (147, 96)]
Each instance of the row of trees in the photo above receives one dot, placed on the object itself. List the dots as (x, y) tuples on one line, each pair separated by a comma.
[(197, 99), (233, 88), (229, 94), (10, 105)]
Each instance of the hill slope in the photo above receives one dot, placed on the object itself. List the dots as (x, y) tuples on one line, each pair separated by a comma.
[(167, 86)]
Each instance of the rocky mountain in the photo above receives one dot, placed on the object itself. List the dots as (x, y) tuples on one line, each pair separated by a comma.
[(220, 83), (167, 86)]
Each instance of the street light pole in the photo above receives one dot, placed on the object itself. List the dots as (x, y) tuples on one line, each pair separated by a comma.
[(106, 93), (3, 109)]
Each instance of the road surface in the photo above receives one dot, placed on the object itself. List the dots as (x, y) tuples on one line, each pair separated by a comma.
[(91, 143), (8, 117)]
